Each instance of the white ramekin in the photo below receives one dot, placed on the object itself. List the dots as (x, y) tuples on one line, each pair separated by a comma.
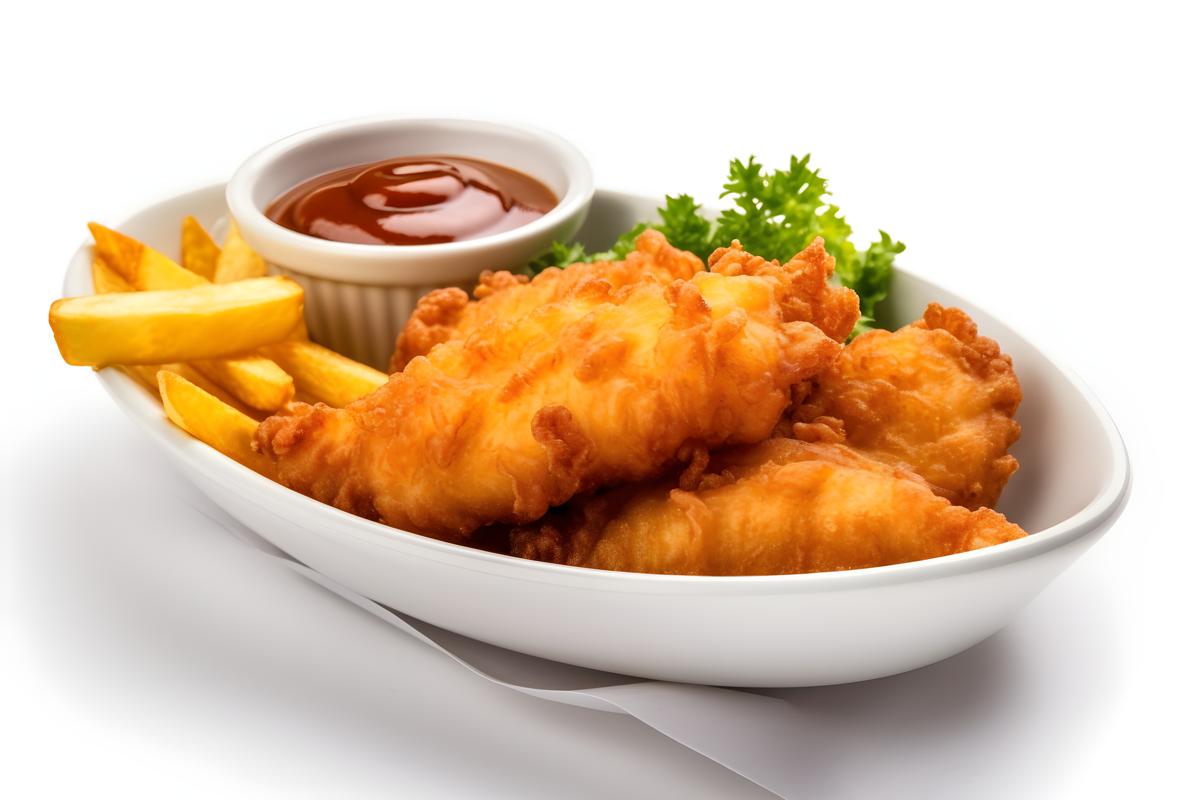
[(358, 296)]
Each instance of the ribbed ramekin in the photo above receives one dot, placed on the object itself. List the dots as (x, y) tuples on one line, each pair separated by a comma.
[(358, 296)]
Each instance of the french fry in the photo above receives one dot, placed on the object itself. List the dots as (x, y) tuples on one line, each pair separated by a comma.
[(147, 375), (198, 252), (143, 267), (195, 238), (257, 381), (323, 374), (300, 332), (252, 379), (217, 424), (208, 321), (238, 261), (105, 279)]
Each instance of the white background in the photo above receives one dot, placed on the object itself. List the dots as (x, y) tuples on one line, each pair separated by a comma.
[(1040, 157)]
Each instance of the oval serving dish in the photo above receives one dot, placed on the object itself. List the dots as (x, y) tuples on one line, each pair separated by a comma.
[(762, 631)]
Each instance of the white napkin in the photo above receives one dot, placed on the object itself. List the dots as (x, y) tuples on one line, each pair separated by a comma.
[(751, 734)]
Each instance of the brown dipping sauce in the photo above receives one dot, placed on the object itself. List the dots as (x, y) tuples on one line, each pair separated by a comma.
[(413, 200)]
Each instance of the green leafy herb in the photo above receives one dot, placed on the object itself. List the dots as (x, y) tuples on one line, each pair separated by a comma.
[(774, 215), (560, 254)]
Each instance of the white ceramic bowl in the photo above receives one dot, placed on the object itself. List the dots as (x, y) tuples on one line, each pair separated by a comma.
[(359, 295), (783, 630)]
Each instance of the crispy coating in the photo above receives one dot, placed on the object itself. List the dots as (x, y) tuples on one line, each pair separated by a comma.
[(833, 309), (934, 396), (603, 385), (783, 506), (446, 315)]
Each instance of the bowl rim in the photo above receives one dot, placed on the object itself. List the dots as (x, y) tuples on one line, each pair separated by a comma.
[(275, 498), (239, 189)]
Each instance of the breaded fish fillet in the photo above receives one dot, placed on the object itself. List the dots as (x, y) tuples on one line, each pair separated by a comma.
[(449, 314), (601, 386), (934, 396), (783, 506)]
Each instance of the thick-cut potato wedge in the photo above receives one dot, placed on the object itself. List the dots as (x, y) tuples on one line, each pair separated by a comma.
[(143, 267), (253, 380), (321, 373), (257, 381), (208, 321), (238, 261), (218, 425), (198, 251), (105, 279), (147, 375), (299, 333)]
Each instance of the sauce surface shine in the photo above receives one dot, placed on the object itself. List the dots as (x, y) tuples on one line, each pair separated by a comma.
[(413, 200)]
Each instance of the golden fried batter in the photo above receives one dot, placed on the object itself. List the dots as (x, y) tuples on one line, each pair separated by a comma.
[(446, 315), (933, 396), (783, 506), (603, 385), (833, 309)]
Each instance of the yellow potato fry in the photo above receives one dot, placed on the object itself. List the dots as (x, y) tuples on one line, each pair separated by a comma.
[(300, 332), (105, 279), (321, 373), (218, 425), (256, 381), (147, 375), (143, 267), (237, 261), (253, 380), (208, 321), (199, 252)]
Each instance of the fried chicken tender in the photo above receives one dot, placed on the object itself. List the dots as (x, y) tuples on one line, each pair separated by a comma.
[(780, 507), (833, 309), (601, 386), (446, 315), (935, 397)]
